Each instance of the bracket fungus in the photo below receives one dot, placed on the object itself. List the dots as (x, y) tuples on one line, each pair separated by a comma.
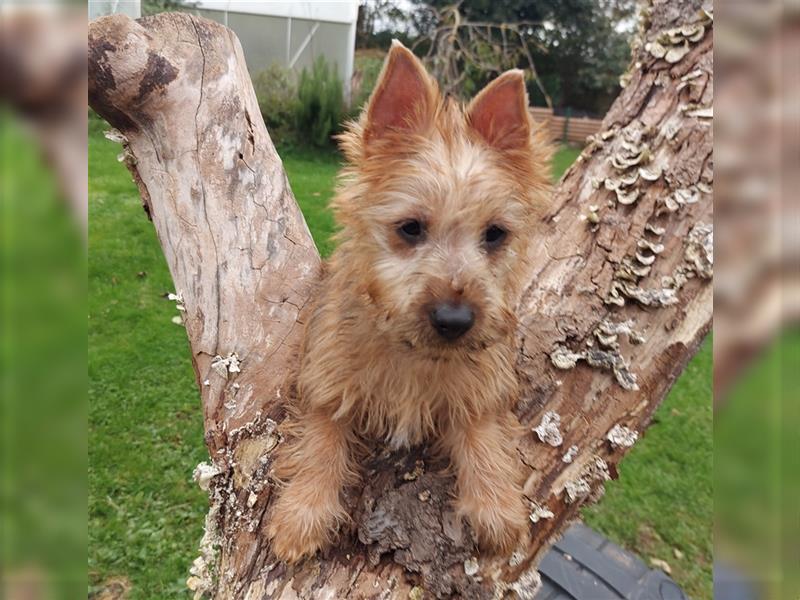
[(548, 430), (632, 159), (675, 43), (607, 333), (608, 359), (593, 472), (471, 566), (621, 290), (624, 285), (229, 364), (699, 250), (204, 473), (539, 512), (570, 454), (622, 437)]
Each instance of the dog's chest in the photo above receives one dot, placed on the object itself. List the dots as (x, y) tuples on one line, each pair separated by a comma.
[(407, 402)]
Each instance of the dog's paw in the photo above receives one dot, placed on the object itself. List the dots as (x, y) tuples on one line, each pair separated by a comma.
[(294, 534), (497, 532), (499, 525), (298, 529)]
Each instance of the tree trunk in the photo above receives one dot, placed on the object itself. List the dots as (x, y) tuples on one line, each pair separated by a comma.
[(619, 300)]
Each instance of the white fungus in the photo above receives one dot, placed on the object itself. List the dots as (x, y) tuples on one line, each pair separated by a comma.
[(569, 455), (471, 566), (548, 430), (622, 437)]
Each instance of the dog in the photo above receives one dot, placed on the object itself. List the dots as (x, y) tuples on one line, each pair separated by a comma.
[(411, 338)]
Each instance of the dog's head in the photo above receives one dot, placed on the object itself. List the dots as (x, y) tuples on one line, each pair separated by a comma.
[(437, 206)]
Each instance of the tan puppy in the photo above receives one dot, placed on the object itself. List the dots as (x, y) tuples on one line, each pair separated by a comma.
[(412, 336)]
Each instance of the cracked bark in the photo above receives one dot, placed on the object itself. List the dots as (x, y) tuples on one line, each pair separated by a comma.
[(240, 253)]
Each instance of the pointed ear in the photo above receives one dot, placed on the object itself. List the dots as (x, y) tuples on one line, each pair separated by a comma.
[(499, 113), (404, 97)]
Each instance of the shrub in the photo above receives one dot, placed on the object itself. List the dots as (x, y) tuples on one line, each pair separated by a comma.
[(276, 90), (320, 104)]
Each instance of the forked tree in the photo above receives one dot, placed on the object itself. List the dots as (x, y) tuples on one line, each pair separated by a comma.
[(619, 299)]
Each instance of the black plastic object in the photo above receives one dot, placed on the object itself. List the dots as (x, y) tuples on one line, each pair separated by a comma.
[(584, 565)]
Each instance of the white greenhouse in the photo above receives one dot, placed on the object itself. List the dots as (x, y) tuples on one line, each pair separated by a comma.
[(291, 34)]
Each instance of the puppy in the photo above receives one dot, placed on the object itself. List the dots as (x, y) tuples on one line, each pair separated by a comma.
[(412, 336)]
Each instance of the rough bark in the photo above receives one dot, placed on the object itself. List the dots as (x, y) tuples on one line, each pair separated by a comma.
[(177, 89)]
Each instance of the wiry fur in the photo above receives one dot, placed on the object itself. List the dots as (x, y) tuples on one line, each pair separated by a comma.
[(372, 363)]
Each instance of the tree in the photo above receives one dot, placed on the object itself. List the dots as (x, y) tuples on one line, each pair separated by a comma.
[(578, 46), (584, 53), (463, 55), (619, 300), (374, 24)]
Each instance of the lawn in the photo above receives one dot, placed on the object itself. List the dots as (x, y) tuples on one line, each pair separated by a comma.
[(145, 513)]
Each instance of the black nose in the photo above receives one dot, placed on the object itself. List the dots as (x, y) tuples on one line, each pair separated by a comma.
[(451, 321)]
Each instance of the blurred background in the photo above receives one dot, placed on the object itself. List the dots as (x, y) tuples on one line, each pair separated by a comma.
[(313, 65), (757, 300), (43, 411)]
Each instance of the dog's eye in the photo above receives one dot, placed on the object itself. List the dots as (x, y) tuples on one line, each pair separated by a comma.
[(411, 231), (494, 236)]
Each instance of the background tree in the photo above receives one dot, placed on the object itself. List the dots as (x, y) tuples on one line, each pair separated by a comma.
[(579, 48), (380, 21)]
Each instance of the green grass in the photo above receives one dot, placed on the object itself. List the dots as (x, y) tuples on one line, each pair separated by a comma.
[(312, 176), (562, 160), (145, 418)]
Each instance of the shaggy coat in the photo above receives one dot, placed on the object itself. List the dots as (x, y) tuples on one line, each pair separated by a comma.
[(437, 204)]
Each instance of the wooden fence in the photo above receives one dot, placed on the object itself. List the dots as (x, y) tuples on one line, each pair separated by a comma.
[(574, 130)]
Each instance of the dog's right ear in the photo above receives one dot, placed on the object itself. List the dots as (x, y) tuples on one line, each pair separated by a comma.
[(499, 113), (404, 97)]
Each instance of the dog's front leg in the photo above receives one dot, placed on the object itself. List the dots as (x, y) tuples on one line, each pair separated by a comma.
[(317, 465), (488, 479)]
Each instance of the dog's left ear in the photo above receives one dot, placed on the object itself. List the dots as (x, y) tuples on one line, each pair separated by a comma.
[(404, 97), (499, 113)]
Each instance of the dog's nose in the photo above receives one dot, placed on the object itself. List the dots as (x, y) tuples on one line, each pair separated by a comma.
[(451, 321)]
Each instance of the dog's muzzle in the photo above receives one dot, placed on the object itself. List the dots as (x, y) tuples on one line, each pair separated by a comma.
[(451, 321)]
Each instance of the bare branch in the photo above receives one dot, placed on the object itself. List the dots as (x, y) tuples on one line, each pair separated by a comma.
[(457, 45)]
